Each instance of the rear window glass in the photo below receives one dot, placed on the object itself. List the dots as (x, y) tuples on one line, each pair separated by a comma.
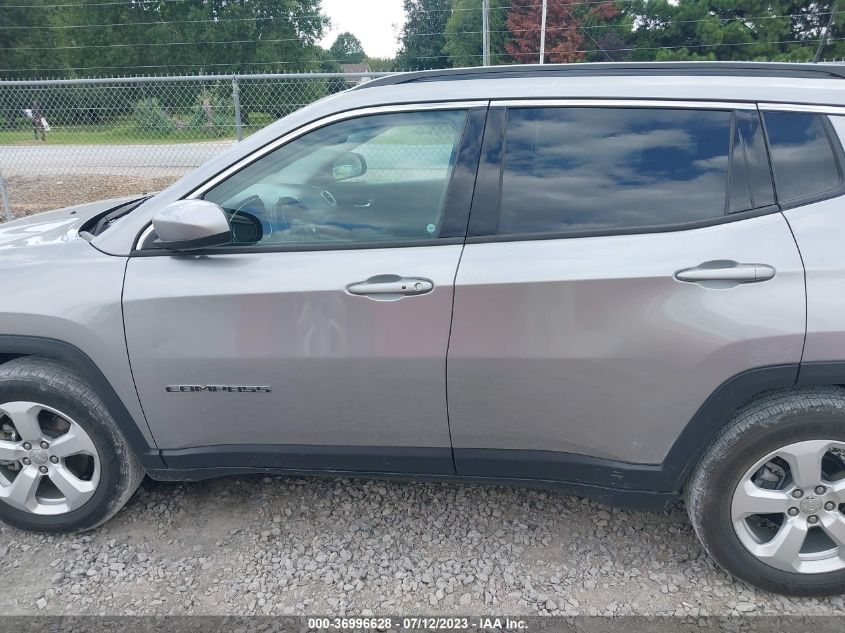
[(803, 158), (588, 169)]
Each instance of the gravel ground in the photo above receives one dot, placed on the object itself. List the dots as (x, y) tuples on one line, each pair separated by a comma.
[(33, 194), (280, 545)]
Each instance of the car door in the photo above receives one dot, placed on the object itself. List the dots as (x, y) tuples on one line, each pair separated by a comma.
[(317, 341), (624, 260)]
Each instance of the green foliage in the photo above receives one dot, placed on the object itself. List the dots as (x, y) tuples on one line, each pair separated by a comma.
[(749, 30), (192, 36), (150, 118), (423, 36), (463, 42), (347, 49), (152, 37)]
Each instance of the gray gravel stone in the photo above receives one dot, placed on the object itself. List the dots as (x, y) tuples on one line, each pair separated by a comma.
[(282, 546)]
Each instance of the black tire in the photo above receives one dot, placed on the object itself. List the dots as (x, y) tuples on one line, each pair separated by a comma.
[(774, 420), (55, 384)]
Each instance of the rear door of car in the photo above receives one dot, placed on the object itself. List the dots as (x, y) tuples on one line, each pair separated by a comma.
[(624, 260)]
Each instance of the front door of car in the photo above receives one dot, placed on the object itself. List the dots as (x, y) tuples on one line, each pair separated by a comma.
[(319, 340), (623, 262)]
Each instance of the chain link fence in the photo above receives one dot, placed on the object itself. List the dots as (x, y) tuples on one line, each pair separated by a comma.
[(70, 141)]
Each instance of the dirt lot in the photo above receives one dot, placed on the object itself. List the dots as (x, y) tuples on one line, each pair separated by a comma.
[(32, 194)]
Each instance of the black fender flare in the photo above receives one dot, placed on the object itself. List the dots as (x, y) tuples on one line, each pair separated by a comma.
[(16, 345), (730, 396), (714, 414)]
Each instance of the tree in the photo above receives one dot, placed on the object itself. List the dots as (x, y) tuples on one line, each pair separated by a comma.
[(423, 35), (565, 36), (758, 30), (25, 37), (347, 49), (464, 37), (153, 37)]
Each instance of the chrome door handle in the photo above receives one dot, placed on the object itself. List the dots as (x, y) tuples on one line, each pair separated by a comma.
[(726, 271), (388, 287)]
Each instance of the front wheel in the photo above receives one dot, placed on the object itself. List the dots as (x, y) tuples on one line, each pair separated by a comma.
[(768, 498), (64, 464)]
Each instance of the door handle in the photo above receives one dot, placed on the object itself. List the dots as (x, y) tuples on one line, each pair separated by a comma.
[(726, 272), (390, 287)]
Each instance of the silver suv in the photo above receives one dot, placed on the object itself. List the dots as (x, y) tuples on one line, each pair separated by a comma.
[(627, 281)]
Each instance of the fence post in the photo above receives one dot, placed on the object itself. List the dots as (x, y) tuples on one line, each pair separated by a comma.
[(6, 207), (236, 97)]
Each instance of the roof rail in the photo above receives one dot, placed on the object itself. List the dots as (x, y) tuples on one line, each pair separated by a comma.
[(600, 69)]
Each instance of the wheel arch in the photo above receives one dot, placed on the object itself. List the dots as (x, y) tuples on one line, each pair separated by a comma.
[(732, 395), (15, 346)]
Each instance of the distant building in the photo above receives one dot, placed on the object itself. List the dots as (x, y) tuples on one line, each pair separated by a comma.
[(357, 68)]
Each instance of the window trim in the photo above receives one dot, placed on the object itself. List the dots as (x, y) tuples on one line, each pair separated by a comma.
[(468, 105), (771, 106), (671, 104), (832, 138), (486, 215), (768, 163)]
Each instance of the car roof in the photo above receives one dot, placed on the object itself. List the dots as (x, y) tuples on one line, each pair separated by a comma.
[(816, 84), (604, 69)]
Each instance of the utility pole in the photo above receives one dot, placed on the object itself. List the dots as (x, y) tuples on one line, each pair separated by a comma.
[(825, 32), (485, 28), (543, 31)]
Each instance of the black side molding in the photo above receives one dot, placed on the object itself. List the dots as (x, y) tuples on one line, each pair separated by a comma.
[(41, 346), (305, 457)]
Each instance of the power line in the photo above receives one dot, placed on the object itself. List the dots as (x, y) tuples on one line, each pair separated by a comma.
[(586, 32), (590, 26), (428, 57), (466, 9), (221, 21), (200, 43), (425, 34)]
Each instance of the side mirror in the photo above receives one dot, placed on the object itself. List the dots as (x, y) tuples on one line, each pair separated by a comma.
[(350, 165), (186, 225)]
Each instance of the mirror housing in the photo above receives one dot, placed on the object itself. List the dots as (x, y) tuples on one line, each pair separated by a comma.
[(186, 225), (350, 165)]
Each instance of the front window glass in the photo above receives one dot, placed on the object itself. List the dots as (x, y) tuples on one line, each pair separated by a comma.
[(371, 179)]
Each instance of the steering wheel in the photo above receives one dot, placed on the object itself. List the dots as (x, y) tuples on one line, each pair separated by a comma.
[(301, 210)]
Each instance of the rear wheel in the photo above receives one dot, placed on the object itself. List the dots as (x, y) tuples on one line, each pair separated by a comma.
[(768, 498), (64, 465)]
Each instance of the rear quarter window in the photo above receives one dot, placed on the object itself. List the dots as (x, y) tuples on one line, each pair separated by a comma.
[(804, 159)]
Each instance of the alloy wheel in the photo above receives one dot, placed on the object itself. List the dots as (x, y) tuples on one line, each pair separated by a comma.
[(48, 463), (787, 509)]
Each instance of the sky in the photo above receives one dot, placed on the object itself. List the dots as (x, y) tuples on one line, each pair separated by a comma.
[(375, 22)]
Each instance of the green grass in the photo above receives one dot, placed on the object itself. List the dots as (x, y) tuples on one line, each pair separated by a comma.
[(122, 131)]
